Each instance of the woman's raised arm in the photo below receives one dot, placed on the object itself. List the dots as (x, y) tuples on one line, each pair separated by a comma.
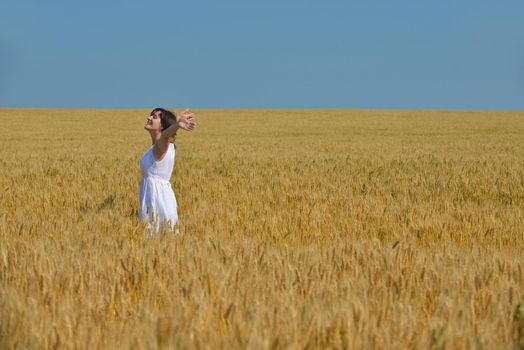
[(186, 121)]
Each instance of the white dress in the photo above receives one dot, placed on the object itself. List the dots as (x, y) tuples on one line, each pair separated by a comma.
[(157, 200)]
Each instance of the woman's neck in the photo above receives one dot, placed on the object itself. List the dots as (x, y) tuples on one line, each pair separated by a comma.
[(155, 137)]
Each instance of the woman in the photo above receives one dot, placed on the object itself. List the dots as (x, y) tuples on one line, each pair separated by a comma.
[(157, 201)]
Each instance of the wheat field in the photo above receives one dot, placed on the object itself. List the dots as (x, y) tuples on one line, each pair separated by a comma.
[(315, 229)]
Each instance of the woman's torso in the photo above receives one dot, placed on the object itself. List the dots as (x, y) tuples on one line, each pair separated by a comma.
[(162, 169)]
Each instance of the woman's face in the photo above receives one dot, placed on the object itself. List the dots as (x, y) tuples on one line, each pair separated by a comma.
[(153, 122)]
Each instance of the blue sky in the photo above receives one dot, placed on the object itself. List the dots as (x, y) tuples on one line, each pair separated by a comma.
[(461, 54)]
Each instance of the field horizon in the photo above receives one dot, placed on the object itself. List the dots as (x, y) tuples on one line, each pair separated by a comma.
[(344, 229), (146, 110)]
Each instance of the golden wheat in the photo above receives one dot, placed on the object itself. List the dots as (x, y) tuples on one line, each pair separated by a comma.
[(301, 229)]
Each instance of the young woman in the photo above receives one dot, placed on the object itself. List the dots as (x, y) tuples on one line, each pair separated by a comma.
[(157, 201)]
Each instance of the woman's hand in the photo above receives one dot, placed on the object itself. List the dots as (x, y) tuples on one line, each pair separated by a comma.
[(186, 120)]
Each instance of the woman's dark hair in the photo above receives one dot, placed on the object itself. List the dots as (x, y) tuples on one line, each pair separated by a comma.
[(167, 118)]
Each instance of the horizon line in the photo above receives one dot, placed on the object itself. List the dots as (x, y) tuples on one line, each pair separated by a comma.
[(275, 109)]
